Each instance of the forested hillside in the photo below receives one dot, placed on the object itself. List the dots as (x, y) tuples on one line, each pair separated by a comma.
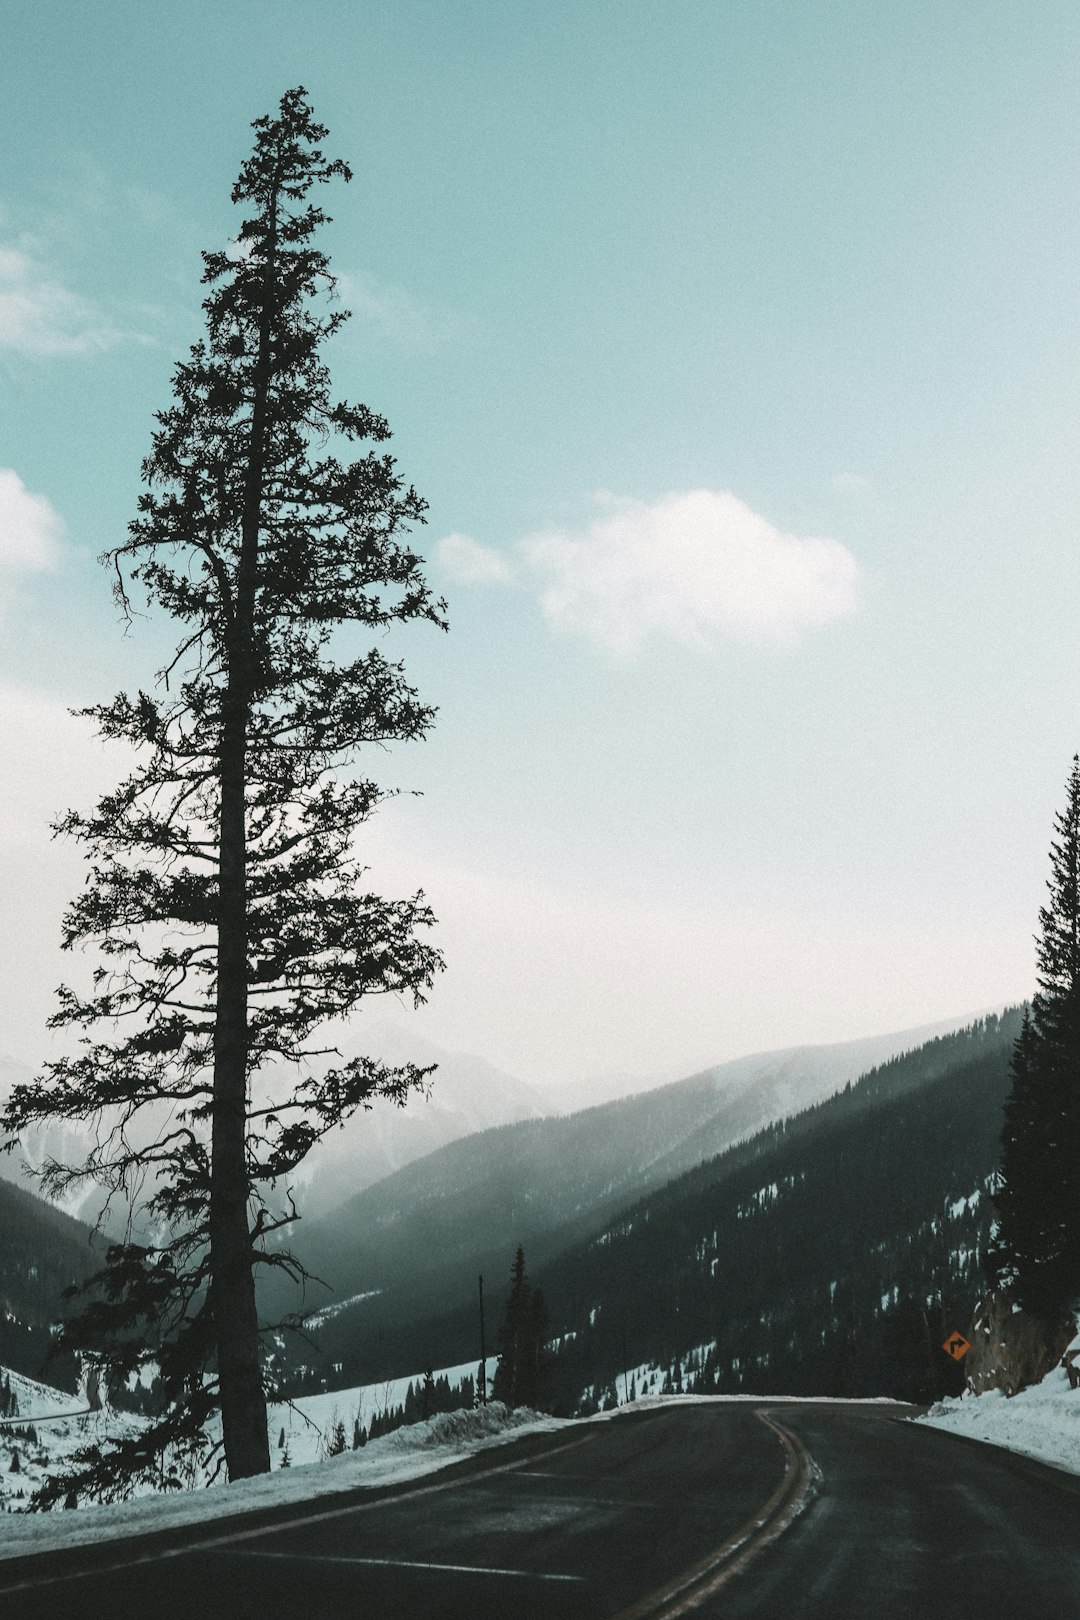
[(829, 1255), (42, 1252), (413, 1245)]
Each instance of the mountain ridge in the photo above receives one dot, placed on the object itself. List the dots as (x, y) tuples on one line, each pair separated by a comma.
[(420, 1237)]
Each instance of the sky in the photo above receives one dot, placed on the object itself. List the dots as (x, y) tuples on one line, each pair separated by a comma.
[(735, 350)]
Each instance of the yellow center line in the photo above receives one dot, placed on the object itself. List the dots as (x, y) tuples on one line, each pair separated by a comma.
[(689, 1589)]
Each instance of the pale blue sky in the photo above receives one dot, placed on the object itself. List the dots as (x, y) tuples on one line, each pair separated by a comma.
[(820, 258)]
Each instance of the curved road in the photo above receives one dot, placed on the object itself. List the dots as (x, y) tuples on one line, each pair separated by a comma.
[(806, 1512)]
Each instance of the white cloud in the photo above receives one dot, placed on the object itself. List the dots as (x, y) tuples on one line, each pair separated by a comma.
[(692, 567), (38, 315), (30, 535), (398, 317), (30, 529), (466, 560), (52, 760)]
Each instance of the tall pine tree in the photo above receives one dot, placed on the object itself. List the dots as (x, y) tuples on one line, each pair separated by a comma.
[(1036, 1251), (226, 900)]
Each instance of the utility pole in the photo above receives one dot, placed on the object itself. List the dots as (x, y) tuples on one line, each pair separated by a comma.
[(483, 1350)]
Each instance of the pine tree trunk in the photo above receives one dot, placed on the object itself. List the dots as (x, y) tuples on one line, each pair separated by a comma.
[(243, 1407)]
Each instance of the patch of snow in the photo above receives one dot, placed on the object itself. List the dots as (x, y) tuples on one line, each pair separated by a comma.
[(63, 1425), (143, 1375), (308, 1420), (41, 1400), (49, 1426), (328, 1312)]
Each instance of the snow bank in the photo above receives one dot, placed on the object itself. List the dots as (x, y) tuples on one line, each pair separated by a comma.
[(1042, 1421)]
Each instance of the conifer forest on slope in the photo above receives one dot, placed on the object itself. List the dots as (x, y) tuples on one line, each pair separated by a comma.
[(830, 1252)]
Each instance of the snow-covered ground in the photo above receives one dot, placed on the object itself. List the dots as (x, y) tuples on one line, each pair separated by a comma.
[(1041, 1422), (50, 1425), (300, 1431), (307, 1423)]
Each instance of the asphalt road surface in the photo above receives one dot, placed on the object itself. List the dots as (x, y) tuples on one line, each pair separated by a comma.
[(798, 1512)]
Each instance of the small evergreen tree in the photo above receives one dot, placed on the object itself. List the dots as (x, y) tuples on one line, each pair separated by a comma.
[(1036, 1250), (427, 1396), (520, 1375), (504, 1385)]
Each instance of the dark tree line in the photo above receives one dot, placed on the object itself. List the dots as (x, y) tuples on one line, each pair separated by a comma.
[(42, 1252), (424, 1399), (225, 900), (1036, 1250)]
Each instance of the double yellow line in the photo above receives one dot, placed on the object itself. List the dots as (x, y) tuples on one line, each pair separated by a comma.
[(686, 1591)]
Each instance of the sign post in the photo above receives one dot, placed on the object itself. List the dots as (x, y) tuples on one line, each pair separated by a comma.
[(483, 1351)]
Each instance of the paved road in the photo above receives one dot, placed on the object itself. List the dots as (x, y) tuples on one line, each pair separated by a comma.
[(834, 1512), (909, 1523)]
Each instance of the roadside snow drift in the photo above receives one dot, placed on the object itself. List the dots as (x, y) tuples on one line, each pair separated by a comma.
[(1041, 1422)]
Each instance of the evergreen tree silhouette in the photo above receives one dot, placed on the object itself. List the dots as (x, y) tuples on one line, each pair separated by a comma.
[(1036, 1250), (225, 897), (428, 1397), (520, 1375)]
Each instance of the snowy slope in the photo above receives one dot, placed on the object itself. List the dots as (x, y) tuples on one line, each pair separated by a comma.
[(51, 1425)]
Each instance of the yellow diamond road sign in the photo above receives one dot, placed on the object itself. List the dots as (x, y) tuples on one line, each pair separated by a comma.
[(956, 1346)]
